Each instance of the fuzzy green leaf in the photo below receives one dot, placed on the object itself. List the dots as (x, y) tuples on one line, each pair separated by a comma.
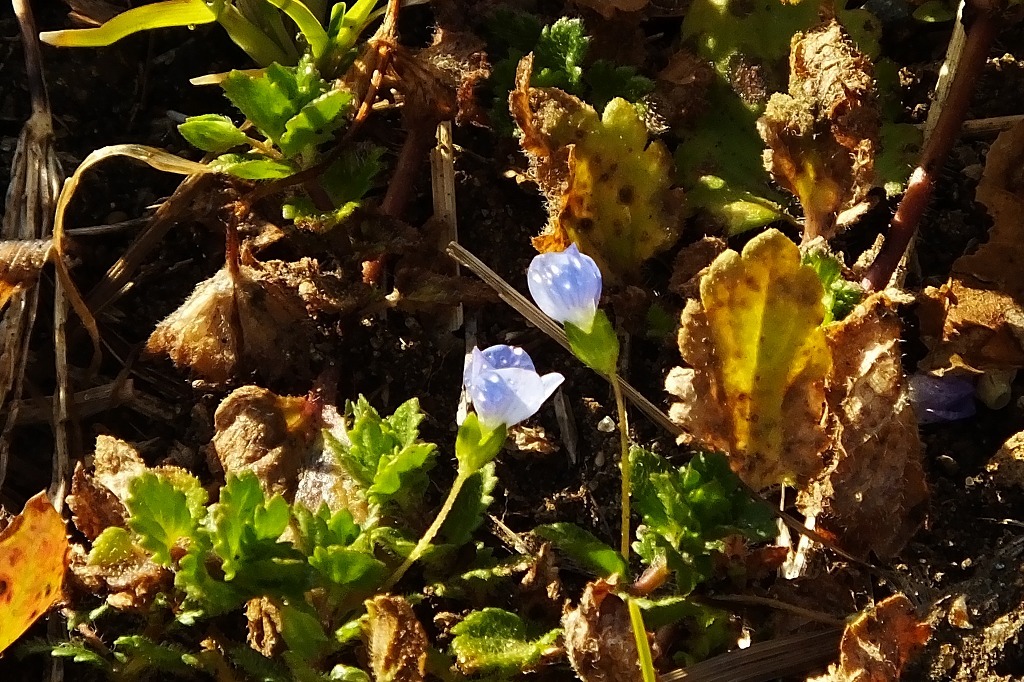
[(497, 642), (584, 548), (143, 653), (160, 513), (212, 133), (243, 519), (302, 631), (340, 567), (316, 121), (252, 166), (269, 99), (114, 545), (468, 511)]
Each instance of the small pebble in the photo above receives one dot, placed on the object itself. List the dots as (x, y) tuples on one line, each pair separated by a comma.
[(606, 425), (948, 465)]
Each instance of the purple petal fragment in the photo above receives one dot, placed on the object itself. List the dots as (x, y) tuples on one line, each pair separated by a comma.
[(566, 285), (941, 399)]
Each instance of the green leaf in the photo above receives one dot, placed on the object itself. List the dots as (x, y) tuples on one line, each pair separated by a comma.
[(584, 548), (346, 673), (495, 641), (77, 650), (113, 546), (143, 653), (252, 166), (243, 518), (256, 666), (468, 510), (935, 11), (302, 631), (316, 121), (353, 570), (212, 133), (166, 14), (560, 53), (269, 99), (705, 629), (686, 513), (841, 296), (324, 528), (205, 596), (736, 209), (160, 514), (385, 457)]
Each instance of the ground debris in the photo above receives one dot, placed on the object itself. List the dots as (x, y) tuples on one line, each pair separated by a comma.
[(873, 492), (397, 642), (599, 638)]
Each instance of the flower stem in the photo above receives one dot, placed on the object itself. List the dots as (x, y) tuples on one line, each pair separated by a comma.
[(624, 465), (428, 536)]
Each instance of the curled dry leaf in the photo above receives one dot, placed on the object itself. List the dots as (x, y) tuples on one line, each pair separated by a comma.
[(608, 188), (20, 264), (757, 358), (823, 135), (975, 322), (267, 434), (599, 637), (33, 559), (879, 643), (238, 320), (873, 494), (396, 639), (323, 480), (130, 583), (97, 497), (1006, 468)]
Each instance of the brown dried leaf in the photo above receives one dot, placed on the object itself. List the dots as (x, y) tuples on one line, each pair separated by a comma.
[(879, 643), (235, 322), (20, 264), (976, 320), (599, 637), (823, 135), (130, 584), (396, 639), (267, 434), (93, 506), (442, 79), (265, 624), (1006, 468), (873, 494)]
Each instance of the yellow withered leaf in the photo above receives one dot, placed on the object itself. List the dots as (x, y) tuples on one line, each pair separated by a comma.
[(609, 188), (757, 361), (33, 558)]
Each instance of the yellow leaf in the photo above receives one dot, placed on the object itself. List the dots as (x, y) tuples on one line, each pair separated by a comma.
[(759, 360), (33, 558)]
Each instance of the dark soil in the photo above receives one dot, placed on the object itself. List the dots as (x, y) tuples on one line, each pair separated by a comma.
[(972, 543)]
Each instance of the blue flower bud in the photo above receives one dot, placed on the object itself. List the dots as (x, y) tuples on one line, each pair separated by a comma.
[(566, 285), (504, 387)]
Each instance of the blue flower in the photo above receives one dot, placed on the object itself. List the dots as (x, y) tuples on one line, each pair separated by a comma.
[(567, 286), (504, 387)]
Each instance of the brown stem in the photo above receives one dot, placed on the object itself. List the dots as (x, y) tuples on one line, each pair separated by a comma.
[(414, 154), (980, 35)]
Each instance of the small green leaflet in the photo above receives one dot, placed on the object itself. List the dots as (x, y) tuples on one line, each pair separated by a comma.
[(161, 514), (584, 548), (497, 642), (212, 133)]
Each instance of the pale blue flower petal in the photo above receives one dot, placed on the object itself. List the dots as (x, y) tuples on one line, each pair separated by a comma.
[(941, 399), (566, 285), (503, 386)]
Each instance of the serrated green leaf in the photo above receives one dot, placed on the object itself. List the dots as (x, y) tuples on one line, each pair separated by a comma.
[(252, 166), (316, 121), (205, 596), (584, 548), (269, 99), (324, 528), (159, 514), (143, 653), (686, 512), (113, 546), (212, 133), (497, 642), (560, 52), (77, 650), (232, 520), (405, 422), (468, 510), (841, 296), (350, 569)]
